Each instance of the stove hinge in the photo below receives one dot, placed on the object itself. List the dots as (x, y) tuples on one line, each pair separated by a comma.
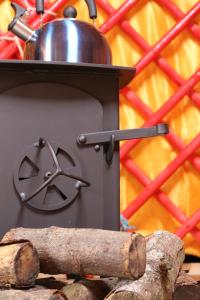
[(109, 138)]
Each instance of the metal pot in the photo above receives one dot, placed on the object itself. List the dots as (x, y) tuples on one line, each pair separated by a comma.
[(66, 39)]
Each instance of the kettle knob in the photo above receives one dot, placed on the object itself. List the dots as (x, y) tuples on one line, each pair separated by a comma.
[(70, 12)]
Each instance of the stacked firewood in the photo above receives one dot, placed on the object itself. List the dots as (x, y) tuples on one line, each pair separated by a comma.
[(124, 265)]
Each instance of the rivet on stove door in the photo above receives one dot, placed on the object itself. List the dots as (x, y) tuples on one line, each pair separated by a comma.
[(40, 144), (47, 175), (23, 196), (78, 185), (82, 139), (97, 148)]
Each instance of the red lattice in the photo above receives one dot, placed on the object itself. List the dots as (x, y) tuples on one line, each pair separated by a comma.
[(186, 152)]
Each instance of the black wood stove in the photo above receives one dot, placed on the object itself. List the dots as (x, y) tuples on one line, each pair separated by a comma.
[(59, 153)]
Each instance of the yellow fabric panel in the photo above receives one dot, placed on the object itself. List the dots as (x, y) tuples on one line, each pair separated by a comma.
[(152, 21), (152, 156), (6, 14)]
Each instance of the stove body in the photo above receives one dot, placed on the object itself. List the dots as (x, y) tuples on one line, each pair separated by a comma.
[(57, 103)]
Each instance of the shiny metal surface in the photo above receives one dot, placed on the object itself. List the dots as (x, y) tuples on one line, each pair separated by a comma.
[(69, 40), (23, 31)]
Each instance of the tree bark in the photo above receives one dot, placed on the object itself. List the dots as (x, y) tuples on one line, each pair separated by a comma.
[(92, 289), (165, 255), (186, 288), (19, 263), (86, 251), (89, 289), (37, 293)]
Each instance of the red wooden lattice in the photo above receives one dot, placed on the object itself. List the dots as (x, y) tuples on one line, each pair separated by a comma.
[(8, 49), (185, 88)]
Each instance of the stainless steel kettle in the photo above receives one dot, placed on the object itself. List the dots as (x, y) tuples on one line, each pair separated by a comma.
[(66, 39)]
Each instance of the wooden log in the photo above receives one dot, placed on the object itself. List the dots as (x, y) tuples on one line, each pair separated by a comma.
[(36, 293), (186, 288), (192, 269), (19, 263), (165, 255), (86, 251), (79, 289), (89, 289), (86, 290)]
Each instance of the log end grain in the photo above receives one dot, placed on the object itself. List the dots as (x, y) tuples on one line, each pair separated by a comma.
[(58, 295), (86, 290), (19, 263), (137, 256), (26, 265)]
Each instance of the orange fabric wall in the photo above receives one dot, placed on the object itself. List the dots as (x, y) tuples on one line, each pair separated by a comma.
[(152, 85)]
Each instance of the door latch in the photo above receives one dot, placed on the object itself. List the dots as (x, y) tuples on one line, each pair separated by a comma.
[(110, 137)]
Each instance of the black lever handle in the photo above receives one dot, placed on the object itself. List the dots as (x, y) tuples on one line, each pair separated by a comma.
[(121, 135), (19, 11), (39, 7), (108, 138), (92, 8)]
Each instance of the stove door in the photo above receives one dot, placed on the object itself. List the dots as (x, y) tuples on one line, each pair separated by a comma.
[(58, 113)]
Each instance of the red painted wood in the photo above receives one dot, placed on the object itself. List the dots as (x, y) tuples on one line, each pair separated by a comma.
[(190, 223), (167, 38), (173, 75), (178, 14), (146, 112), (117, 15), (160, 196), (162, 177), (159, 114)]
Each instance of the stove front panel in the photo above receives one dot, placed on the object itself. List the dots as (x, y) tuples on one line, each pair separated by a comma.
[(58, 113)]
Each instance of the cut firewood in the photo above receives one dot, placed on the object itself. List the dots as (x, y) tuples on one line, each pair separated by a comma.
[(19, 263), (186, 288), (86, 290), (192, 269), (51, 283), (86, 251), (80, 289), (165, 255), (89, 289), (36, 293)]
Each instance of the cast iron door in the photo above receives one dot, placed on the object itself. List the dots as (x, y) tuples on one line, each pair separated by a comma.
[(36, 119)]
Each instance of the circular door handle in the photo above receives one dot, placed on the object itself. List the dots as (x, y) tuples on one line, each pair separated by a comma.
[(50, 177)]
